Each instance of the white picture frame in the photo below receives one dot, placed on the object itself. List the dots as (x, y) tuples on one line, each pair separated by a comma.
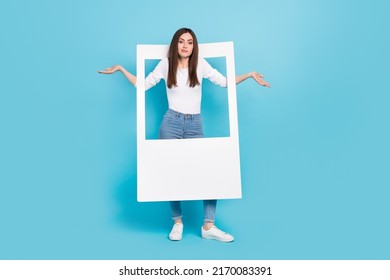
[(188, 169)]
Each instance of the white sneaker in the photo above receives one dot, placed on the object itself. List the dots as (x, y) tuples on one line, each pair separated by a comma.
[(217, 234), (176, 232)]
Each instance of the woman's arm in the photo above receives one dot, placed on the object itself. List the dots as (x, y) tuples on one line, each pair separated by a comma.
[(132, 79), (254, 75)]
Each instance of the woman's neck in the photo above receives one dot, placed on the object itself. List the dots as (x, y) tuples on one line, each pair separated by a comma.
[(183, 63)]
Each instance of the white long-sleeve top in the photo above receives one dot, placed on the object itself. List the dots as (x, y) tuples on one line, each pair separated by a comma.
[(183, 98)]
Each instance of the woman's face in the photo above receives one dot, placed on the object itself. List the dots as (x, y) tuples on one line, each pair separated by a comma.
[(185, 45)]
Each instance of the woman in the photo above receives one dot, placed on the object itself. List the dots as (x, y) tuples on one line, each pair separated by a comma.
[(183, 72)]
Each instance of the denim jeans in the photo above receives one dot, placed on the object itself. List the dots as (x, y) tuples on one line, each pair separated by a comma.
[(177, 125)]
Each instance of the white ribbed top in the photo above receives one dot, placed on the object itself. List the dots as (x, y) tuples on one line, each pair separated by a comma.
[(183, 98)]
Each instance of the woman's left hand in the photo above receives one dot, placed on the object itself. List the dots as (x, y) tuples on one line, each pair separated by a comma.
[(259, 79)]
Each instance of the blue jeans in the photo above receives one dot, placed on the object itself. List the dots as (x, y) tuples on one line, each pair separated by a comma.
[(177, 125)]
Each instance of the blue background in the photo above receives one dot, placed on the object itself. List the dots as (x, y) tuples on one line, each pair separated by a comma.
[(314, 148)]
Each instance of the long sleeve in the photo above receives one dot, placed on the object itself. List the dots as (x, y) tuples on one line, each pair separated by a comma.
[(160, 72), (212, 74)]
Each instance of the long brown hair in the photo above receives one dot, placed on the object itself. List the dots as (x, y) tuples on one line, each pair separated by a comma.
[(173, 58)]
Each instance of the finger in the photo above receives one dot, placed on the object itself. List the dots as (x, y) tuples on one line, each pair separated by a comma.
[(259, 75), (259, 80), (262, 82)]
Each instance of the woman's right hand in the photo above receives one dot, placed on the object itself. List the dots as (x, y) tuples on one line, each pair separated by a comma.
[(111, 70)]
